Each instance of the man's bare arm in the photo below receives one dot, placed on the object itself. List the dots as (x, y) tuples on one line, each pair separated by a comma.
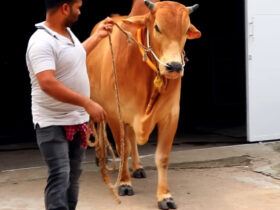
[(56, 89)]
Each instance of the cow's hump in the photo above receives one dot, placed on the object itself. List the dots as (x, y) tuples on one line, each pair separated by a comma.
[(139, 8)]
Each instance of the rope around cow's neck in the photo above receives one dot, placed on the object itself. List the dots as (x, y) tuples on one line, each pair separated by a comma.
[(147, 49)]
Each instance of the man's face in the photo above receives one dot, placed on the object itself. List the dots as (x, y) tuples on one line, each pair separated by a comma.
[(74, 13)]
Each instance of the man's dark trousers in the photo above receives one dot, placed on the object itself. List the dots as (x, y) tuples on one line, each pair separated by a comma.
[(63, 159)]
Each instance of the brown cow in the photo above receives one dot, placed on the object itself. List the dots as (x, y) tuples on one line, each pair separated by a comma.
[(145, 102)]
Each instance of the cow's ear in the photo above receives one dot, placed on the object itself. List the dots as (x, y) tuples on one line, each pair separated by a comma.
[(193, 32), (138, 21)]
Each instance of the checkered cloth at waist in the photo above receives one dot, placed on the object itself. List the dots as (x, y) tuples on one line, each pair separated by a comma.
[(71, 131)]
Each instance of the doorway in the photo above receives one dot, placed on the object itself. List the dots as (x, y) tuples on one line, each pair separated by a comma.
[(214, 86)]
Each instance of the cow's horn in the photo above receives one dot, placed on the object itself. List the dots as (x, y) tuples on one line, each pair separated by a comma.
[(149, 4), (193, 8)]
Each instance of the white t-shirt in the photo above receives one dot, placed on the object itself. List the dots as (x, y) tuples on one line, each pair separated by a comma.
[(48, 50)]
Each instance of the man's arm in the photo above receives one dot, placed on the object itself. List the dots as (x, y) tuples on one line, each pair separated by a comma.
[(103, 29), (56, 89)]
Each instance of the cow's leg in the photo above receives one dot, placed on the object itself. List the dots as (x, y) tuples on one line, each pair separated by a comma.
[(125, 187), (138, 170), (166, 132)]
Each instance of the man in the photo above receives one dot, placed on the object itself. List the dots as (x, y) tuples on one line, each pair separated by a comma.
[(60, 98)]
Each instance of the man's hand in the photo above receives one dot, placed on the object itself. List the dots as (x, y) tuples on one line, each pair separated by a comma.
[(104, 28), (95, 111)]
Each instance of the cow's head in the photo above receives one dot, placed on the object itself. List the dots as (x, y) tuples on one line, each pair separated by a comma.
[(169, 27)]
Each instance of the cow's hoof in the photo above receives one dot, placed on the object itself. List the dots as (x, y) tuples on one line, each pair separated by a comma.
[(125, 190), (167, 203), (139, 173)]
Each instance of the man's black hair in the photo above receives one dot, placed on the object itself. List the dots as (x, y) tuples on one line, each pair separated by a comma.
[(50, 4)]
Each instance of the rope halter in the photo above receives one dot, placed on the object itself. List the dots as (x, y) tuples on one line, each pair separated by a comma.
[(149, 49)]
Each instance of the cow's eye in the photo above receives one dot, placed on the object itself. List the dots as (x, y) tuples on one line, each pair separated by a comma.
[(157, 28)]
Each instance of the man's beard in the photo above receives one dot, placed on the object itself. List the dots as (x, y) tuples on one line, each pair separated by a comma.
[(69, 23), (72, 18)]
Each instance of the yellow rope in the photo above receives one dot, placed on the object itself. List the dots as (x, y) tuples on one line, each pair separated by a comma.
[(119, 113), (102, 144)]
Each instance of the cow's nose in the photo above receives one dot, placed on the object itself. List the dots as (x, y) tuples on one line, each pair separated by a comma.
[(174, 66)]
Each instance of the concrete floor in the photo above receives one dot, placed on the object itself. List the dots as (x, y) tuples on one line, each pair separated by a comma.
[(201, 177)]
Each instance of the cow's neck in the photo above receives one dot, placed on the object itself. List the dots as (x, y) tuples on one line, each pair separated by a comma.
[(171, 86), (159, 106), (153, 99)]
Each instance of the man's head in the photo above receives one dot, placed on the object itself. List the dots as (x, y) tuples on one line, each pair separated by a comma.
[(69, 9), (52, 4)]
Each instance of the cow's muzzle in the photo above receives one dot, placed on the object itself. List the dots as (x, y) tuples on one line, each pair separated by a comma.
[(174, 67)]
